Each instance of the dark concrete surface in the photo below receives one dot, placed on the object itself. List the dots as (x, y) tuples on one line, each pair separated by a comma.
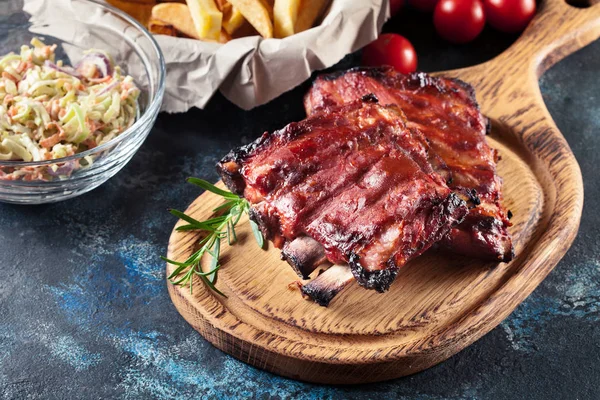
[(84, 309)]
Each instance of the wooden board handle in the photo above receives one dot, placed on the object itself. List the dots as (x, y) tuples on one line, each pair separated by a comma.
[(557, 30), (508, 91), (507, 86)]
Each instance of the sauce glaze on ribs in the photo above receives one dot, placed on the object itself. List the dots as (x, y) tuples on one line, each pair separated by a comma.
[(355, 180), (446, 112)]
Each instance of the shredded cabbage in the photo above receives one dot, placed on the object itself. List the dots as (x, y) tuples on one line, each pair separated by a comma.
[(49, 111)]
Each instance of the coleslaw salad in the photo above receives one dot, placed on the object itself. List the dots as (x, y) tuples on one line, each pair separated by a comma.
[(49, 110)]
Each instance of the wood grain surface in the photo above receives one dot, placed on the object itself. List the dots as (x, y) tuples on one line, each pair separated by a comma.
[(440, 303)]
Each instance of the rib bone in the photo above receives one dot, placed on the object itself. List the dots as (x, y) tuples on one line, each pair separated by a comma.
[(304, 254), (326, 286)]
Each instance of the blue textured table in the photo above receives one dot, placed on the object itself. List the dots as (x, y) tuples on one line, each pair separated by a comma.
[(84, 309)]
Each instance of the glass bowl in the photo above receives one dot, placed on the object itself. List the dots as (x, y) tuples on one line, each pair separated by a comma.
[(76, 26)]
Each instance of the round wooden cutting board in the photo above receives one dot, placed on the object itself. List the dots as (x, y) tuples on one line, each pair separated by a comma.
[(440, 302)]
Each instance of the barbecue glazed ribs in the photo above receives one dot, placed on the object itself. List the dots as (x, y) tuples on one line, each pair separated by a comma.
[(353, 186), (446, 112)]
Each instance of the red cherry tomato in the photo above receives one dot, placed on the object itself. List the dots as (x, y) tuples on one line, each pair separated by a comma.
[(395, 6), (423, 5), (509, 16), (391, 49), (459, 21)]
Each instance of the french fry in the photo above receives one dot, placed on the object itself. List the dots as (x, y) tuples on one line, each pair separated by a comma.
[(153, 2), (177, 15), (222, 20), (207, 18), (257, 14), (139, 11), (224, 37), (285, 14), (232, 19), (310, 11), (269, 4), (161, 28)]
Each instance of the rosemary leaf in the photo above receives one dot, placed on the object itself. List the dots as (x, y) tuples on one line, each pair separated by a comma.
[(217, 228), (199, 225), (216, 221), (233, 231), (209, 272), (185, 228), (216, 252), (257, 234), (227, 206), (181, 281), (211, 285), (229, 241), (237, 211), (212, 188), (181, 264)]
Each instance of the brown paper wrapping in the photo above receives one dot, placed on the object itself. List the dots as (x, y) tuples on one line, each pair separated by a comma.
[(250, 71)]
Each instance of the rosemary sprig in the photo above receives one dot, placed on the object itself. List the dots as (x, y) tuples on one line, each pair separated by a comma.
[(217, 228)]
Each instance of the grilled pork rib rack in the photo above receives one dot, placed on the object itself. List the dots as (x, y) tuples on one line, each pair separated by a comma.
[(385, 166), (446, 112), (351, 186)]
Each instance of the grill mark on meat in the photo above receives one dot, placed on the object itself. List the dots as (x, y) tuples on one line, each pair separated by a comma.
[(330, 198), (291, 206), (373, 204), (426, 222), (372, 194), (446, 112), (289, 194), (390, 181)]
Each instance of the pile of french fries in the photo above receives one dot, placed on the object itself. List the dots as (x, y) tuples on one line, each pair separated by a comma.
[(223, 20)]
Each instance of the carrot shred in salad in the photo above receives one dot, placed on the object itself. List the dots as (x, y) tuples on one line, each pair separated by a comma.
[(49, 110)]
